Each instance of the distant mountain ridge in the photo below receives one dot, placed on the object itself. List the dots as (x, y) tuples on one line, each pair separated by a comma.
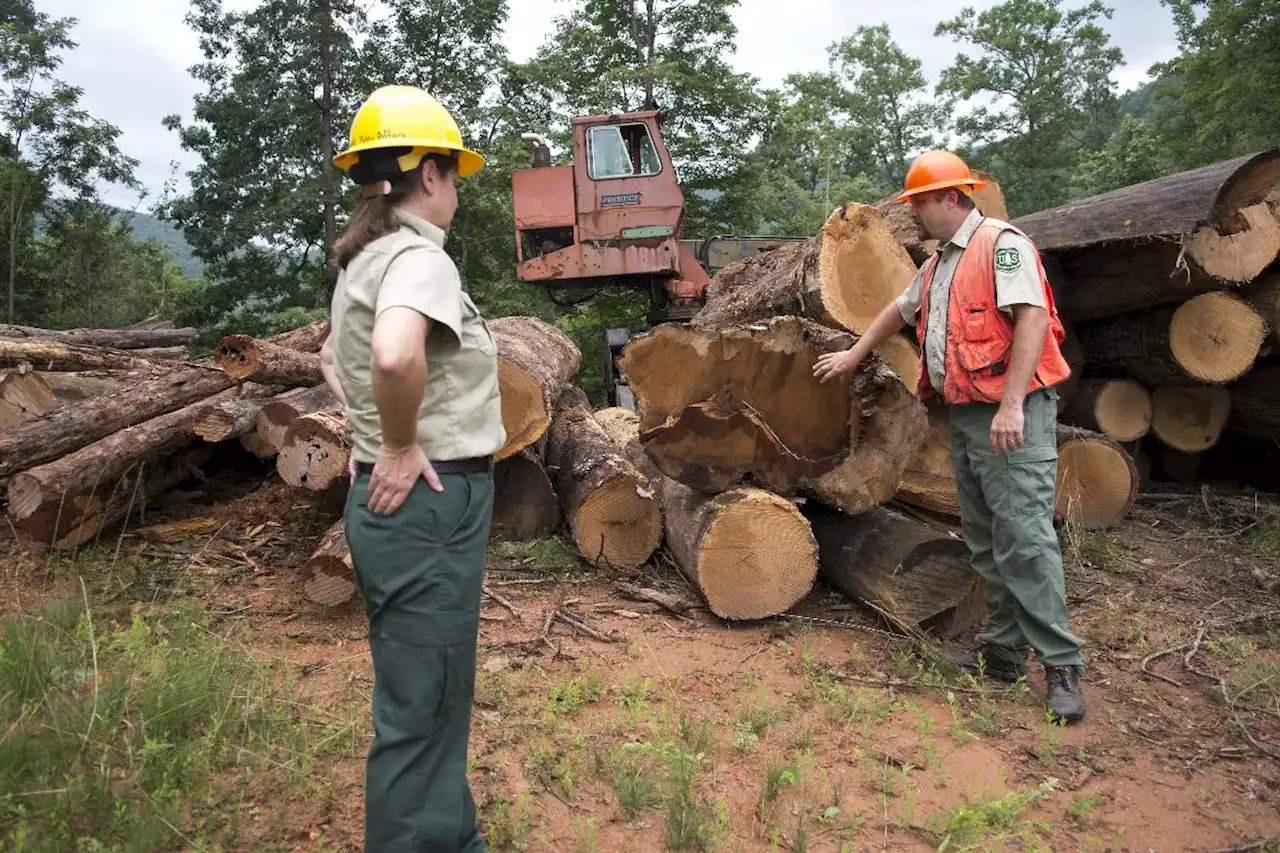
[(147, 227)]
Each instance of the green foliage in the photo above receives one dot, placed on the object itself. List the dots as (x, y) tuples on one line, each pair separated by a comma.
[(1132, 154)]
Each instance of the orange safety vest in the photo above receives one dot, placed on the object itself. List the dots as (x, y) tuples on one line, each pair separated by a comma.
[(980, 335)]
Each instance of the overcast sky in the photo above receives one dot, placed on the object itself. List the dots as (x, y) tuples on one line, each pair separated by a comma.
[(133, 55)]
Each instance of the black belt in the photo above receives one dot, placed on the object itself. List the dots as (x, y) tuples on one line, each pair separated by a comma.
[(473, 465)]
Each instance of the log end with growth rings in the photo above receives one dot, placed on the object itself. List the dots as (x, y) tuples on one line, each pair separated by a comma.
[(315, 451), (1123, 410), (1190, 418), (237, 355), (1097, 481), (619, 524), (524, 409), (1241, 255), (861, 265), (1216, 336)]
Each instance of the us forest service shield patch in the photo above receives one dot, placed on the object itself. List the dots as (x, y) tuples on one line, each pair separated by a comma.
[(1008, 260)]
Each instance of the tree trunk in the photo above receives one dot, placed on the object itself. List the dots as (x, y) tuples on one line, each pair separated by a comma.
[(83, 385), (1118, 408), (525, 504), (331, 577), (316, 450), (230, 418), (1255, 404), (905, 229), (308, 338), (611, 507), (114, 338), (161, 353), (1097, 479), (842, 277), (1211, 338), (536, 361), (100, 464), (59, 356), (66, 430), (740, 406), (749, 552), (1190, 418), (276, 416), (244, 358), (919, 577), (903, 358)]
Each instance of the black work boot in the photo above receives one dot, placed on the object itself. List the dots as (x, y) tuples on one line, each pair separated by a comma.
[(994, 665), (1066, 699)]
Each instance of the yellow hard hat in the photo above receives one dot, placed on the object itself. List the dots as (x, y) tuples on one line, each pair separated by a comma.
[(399, 116)]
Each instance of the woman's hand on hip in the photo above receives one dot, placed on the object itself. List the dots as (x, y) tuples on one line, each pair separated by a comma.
[(395, 472)]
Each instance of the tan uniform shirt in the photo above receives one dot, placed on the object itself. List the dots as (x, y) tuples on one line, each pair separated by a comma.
[(1017, 283), (460, 415)]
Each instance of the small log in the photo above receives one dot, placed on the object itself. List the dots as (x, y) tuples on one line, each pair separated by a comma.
[(1264, 296), (114, 338), (841, 277), (1118, 408), (330, 580), (905, 229), (1211, 338), (1097, 480), (52, 356), (276, 416), (525, 504), (177, 531), (154, 354), (749, 552), (1190, 418), (308, 338), (536, 361), (244, 358), (611, 507), (316, 450), (917, 575)]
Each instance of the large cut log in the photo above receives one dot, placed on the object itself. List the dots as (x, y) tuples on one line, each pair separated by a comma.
[(330, 576), (1073, 352), (740, 406), (1190, 418), (525, 504), (929, 479), (82, 385), (841, 277), (749, 552), (100, 464), (1211, 338), (115, 338), (61, 356), (316, 450), (161, 354), (1164, 240), (29, 395), (905, 229), (244, 358), (903, 358), (1097, 479), (231, 418), (536, 361), (308, 338), (65, 430), (1118, 408), (1255, 404), (611, 507), (914, 574), (274, 420)]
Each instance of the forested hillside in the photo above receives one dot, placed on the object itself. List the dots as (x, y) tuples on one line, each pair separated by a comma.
[(1032, 100)]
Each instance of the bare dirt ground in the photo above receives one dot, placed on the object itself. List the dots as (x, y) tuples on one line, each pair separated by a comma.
[(649, 729)]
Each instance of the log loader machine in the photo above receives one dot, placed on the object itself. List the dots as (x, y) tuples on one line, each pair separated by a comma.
[(612, 218)]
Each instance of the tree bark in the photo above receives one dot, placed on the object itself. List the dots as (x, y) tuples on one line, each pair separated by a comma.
[(276, 416), (244, 358), (1264, 296), (919, 577), (1255, 404), (908, 233), (525, 504), (316, 450), (48, 355), (841, 278), (308, 338), (330, 580), (115, 338), (749, 552), (1118, 408), (536, 361), (1211, 338), (611, 507)]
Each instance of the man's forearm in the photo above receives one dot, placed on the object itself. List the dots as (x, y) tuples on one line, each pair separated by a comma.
[(398, 393), (886, 324), (1030, 325)]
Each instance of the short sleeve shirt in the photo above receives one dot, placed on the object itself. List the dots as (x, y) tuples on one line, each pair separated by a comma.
[(461, 413), (1017, 283)]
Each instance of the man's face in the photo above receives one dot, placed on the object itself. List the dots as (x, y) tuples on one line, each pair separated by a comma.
[(931, 212)]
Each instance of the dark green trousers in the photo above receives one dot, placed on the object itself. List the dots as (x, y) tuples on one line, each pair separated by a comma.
[(420, 572), (1006, 510)]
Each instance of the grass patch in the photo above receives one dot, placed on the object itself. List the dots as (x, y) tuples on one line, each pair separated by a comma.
[(961, 827), (146, 736), (551, 555)]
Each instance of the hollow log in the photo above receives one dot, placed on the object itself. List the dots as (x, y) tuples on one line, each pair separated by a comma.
[(51, 356), (525, 504), (749, 552), (905, 229), (841, 277), (273, 421), (316, 450), (1211, 338), (308, 338), (916, 575), (611, 508), (1255, 404), (330, 575), (244, 358), (114, 338), (1190, 418), (1118, 408), (536, 361), (1097, 480)]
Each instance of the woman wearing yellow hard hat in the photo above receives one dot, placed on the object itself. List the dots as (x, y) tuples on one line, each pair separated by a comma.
[(414, 363)]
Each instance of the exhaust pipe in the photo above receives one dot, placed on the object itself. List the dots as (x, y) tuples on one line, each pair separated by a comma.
[(541, 149)]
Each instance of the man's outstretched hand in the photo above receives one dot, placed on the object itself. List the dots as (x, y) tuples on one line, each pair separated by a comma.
[(833, 365)]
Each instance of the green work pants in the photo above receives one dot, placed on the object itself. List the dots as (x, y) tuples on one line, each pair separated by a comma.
[(1006, 510), (420, 572)]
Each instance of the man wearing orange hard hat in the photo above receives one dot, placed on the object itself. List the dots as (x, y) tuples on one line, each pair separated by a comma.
[(990, 334)]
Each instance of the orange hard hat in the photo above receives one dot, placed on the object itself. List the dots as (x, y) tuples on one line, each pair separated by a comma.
[(938, 170)]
